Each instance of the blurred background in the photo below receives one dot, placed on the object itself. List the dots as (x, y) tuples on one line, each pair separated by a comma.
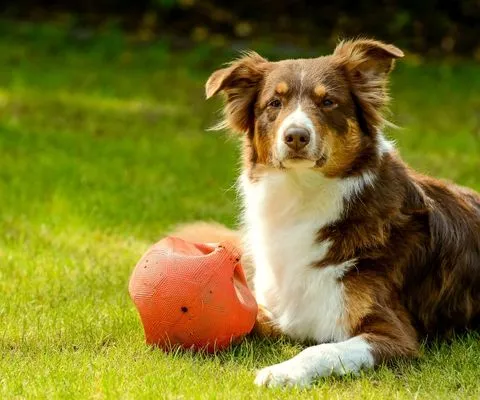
[(124, 79), (429, 28)]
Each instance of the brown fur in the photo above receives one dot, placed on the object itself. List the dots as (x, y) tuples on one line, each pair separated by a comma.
[(416, 240), (264, 326), (344, 149), (320, 91), (282, 88)]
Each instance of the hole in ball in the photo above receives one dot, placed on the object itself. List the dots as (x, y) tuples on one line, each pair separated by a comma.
[(184, 309)]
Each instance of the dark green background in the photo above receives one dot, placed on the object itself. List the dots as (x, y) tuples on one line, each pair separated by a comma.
[(428, 27)]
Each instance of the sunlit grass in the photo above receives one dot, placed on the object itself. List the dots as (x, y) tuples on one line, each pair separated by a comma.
[(103, 147)]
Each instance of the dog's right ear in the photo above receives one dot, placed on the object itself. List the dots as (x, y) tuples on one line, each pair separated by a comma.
[(240, 82)]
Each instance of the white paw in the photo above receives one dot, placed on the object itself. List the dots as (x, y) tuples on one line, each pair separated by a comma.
[(284, 374), (316, 361)]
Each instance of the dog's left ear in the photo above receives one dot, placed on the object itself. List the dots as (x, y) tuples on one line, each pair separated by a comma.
[(370, 58), (367, 64)]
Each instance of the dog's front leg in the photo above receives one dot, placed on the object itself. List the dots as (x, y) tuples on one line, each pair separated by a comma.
[(381, 339), (317, 361)]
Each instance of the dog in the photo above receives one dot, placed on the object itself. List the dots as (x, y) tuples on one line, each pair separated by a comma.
[(350, 248)]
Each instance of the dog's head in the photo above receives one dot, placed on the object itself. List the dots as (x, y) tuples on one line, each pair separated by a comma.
[(322, 113)]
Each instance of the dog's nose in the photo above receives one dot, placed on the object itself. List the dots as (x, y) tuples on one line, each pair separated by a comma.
[(296, 137)]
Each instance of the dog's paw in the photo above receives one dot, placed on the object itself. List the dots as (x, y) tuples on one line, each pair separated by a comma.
[(318, 361), (288, 373)]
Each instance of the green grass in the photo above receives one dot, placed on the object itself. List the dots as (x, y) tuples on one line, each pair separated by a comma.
[(102, 148)]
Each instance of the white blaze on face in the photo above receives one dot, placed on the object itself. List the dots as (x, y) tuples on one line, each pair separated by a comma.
[(298, 119)]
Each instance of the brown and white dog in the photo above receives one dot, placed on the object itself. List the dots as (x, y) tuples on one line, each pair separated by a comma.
[(351, 249)]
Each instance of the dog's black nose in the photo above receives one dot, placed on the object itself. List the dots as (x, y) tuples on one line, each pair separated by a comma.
[(296, 137)]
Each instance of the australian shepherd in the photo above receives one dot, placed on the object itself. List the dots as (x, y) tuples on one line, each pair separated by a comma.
[(351, 249)]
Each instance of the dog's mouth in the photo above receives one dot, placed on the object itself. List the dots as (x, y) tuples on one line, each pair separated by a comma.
[(304, 162)]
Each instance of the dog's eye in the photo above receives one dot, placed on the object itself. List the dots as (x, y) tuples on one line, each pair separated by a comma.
[(327, 103), (275, 103)]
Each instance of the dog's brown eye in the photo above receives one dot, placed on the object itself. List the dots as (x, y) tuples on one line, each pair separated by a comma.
[(275, 103), (327, 103)]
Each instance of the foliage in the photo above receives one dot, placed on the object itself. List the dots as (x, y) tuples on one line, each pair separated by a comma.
[(430, 27), (102, 148)]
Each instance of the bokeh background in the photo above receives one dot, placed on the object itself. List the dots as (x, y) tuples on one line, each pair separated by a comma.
[(430, 27), (104, 147)]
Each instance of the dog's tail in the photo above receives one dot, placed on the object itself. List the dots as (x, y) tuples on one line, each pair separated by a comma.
[(208, 232)]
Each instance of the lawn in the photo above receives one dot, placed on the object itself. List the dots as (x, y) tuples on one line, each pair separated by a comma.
[(103, 147)]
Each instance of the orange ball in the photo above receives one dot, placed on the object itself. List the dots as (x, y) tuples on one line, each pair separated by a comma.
[(192, 295)]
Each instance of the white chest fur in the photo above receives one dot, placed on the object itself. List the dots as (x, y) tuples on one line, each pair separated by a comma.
[(284, 211)]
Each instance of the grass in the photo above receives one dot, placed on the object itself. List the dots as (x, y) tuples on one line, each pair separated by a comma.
[(102, 148)]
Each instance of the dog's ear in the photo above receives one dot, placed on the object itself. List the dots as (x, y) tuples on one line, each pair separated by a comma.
[(369, 57), (240, 82), (367, 64)]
